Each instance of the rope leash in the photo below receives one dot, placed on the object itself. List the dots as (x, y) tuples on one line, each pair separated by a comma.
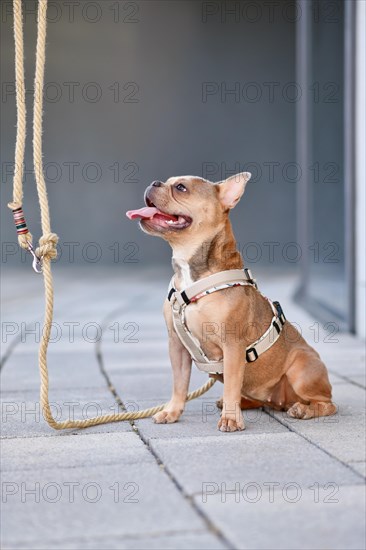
[(46, 250)]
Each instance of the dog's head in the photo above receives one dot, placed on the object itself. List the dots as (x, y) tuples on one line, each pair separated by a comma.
[(189, 208)]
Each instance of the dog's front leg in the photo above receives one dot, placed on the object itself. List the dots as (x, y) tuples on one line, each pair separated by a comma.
[(231, 417), (181, 363)]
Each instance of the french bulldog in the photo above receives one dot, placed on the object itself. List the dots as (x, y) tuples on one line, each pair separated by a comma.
[(192, 215)]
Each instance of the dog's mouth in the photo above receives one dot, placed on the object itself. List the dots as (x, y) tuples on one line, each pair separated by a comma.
[(155, 217)]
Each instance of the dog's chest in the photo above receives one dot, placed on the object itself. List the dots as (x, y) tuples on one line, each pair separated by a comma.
[(204, 321), (184, 271)]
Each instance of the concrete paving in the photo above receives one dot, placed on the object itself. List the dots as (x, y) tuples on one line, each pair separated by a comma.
[(280, 484)]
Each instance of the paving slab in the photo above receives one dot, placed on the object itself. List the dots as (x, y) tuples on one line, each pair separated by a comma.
[(336, 379), (180, 540), (200, 420), (21, 414), (357, 369), (116, 500), (66, 370), (359, 467), (341, 435), (353, 366), (126, 357), (290, 519), (73, 451), (156, 385), (359, 380), (240, 457)]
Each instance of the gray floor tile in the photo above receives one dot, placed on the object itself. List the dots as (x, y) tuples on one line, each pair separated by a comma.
[(342, 435), (243, 458), (21, 414), (40, 453), (129, 499), (66, 370), (156, 386), (359, 380), (175, 541), (360, 467), (291, 519), (200, 419)]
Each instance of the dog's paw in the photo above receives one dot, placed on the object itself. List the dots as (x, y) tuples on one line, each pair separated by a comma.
[(230, 424), (299, 410), (166, 417)]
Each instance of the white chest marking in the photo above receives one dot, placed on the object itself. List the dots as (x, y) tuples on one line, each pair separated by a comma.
[(185, 272)]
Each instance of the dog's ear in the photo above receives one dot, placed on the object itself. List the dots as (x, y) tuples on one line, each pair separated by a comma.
[(231, 189)]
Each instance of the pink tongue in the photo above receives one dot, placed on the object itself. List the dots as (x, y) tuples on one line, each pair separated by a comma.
[(146, 212)]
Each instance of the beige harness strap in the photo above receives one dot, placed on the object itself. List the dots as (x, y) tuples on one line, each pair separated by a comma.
[(217, 281), (189, 341), (230, 276)]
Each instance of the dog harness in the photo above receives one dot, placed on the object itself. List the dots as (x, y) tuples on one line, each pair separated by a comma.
[(218, 281)]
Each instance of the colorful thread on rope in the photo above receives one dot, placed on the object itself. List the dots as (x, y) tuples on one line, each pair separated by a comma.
[(19, 220)]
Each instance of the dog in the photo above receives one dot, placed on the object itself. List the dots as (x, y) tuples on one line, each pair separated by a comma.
[(192, 215)]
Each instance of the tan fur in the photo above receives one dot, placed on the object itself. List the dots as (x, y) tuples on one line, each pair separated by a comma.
[(290, 376)]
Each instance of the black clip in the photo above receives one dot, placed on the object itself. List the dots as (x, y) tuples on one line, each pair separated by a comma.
[(249, 351), (280, 313), (249, 277), (171, 292), (185, 297)]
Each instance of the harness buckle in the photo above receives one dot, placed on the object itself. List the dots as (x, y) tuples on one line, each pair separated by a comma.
[(171, 292), (280, 313), (251, 355), (249, 277), (181, 297)]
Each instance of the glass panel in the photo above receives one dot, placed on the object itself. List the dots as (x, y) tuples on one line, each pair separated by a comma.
[(327, 278)]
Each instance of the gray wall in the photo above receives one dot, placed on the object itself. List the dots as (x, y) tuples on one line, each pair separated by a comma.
[(168, 52)]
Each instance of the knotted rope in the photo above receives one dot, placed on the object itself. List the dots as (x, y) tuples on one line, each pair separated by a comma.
[(24, 237), (47, 244)]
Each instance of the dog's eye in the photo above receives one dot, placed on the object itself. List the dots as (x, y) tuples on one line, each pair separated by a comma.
[(181, 187)]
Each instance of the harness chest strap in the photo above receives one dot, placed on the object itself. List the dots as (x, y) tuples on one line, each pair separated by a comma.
[(218, 281)]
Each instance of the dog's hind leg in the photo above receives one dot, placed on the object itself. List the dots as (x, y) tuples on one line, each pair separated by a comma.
[(308, 378), (313, 410)]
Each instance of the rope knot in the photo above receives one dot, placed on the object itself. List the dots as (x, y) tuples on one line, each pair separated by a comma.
[(47, 246), (14, 205)]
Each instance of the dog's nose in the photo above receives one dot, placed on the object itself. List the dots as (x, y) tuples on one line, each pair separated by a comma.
[(157, 183)]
